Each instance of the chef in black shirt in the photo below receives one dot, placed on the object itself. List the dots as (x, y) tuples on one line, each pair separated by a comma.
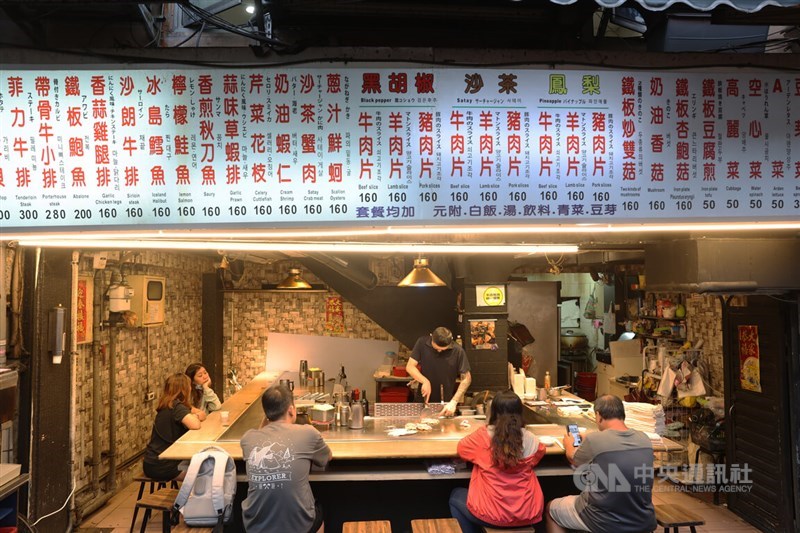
[(437, 363)]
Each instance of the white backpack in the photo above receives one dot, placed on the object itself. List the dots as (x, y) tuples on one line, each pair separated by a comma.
[(207, 492)]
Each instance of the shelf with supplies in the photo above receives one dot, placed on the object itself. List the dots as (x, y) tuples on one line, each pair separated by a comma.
[(680, 368)]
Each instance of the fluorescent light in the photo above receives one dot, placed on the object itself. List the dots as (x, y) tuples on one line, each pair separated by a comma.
[(410, 230), (366, 247)]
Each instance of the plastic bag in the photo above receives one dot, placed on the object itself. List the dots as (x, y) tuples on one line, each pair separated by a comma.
[(609, 320), (590, 311)]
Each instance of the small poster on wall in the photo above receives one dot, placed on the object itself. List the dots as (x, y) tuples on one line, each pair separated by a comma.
[(334, 314), (749, 359), (482, 336), (85, 309), (490, 295)]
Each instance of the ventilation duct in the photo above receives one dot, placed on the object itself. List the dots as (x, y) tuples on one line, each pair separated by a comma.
[(723, 265)]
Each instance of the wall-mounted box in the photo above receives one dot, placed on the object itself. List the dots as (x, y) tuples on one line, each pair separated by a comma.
[(149, 299)]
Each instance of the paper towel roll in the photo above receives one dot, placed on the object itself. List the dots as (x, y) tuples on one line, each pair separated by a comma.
[(519, 384), (530, 385)]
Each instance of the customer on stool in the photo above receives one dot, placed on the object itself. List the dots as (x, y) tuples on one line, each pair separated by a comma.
[(204, 399), (617, 470), (503, 490), (279, 457), (173, 418)]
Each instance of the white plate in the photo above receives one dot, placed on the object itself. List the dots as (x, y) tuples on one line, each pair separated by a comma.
[(547, 440)]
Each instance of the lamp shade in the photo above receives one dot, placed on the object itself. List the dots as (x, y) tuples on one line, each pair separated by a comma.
[(421, 276), (293, 281)]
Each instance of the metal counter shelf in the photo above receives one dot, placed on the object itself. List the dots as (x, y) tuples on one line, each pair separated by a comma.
[(375, 429)]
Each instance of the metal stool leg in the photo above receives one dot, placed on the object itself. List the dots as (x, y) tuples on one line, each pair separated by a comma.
[(145, 518), (136, 509), (166, 526)]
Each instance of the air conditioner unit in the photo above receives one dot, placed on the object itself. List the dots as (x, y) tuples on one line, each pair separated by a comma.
[(148, 302)]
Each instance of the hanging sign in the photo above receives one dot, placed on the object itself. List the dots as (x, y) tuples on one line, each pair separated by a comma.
[(749, 359), (386, 146)]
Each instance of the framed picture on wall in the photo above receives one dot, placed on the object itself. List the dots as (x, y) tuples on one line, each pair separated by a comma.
[(482, 334), (85, 309)]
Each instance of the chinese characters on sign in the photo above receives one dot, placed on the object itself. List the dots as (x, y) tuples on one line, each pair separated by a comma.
[(749, 359), (391, 146)]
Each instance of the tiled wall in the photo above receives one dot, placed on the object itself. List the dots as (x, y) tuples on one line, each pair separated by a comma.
[(251, 316), (171, 348)]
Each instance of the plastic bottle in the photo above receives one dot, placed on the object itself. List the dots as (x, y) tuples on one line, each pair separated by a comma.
[(547, 380)]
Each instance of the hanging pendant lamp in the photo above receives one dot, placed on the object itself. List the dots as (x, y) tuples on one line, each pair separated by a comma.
[(293, 281), (421, 276)]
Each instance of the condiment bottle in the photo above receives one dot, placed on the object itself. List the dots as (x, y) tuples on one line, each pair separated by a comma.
[(547, 380), (364, 402)]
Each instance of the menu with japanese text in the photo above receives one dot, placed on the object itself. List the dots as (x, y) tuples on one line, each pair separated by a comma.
[(338, 145)]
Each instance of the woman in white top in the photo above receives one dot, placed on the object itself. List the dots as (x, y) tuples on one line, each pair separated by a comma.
[(203, 397)]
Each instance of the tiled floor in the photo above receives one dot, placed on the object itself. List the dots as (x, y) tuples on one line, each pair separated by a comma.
[(116, 516)]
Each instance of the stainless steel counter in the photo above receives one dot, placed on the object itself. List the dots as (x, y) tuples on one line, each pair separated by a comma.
[(375, 429)]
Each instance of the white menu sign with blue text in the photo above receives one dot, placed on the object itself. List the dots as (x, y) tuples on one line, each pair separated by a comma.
[(335, 145)]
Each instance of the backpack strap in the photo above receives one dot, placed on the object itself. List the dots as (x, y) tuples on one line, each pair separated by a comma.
[(189, 479), (218, 483)]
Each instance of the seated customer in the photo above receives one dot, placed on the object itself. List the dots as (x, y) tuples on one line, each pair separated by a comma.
[(173, 419), (503, 490), (279, 457), (615, 456), (203, 396)]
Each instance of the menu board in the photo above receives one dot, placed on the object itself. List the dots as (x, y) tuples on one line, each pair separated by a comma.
[(381, 146)]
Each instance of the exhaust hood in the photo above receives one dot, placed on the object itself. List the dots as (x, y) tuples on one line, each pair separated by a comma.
[(723, 265)]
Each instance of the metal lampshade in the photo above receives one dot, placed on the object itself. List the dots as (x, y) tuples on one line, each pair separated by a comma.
[(293, 281), (421, 276)]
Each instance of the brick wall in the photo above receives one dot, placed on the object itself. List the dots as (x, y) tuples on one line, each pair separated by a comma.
[(251, 316), (171, 348)]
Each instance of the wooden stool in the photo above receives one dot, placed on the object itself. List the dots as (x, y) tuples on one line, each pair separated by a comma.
[(144, 480), (675, 516), (435, 525), (161, 500), (183, 528), (375, 526)]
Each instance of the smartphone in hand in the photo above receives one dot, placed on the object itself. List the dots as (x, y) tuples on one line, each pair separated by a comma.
[(572, 429)]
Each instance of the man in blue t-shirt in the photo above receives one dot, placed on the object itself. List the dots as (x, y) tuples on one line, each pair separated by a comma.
[(437, 363), (279, 456), (617, 466)]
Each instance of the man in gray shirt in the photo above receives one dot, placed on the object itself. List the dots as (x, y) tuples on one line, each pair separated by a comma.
[(279, 457), (616, 469)]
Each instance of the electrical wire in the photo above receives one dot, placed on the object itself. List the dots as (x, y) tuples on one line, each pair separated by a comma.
[(198, 30), (57, 511), (201, 14), (25, 522)]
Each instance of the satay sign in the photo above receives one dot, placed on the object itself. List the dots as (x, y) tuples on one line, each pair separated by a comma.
[(490, 295)]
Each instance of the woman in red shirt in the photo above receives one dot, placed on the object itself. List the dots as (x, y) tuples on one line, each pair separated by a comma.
[(503, 490)]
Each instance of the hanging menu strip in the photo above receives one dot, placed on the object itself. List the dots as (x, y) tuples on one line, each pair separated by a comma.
[(383, 146)]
